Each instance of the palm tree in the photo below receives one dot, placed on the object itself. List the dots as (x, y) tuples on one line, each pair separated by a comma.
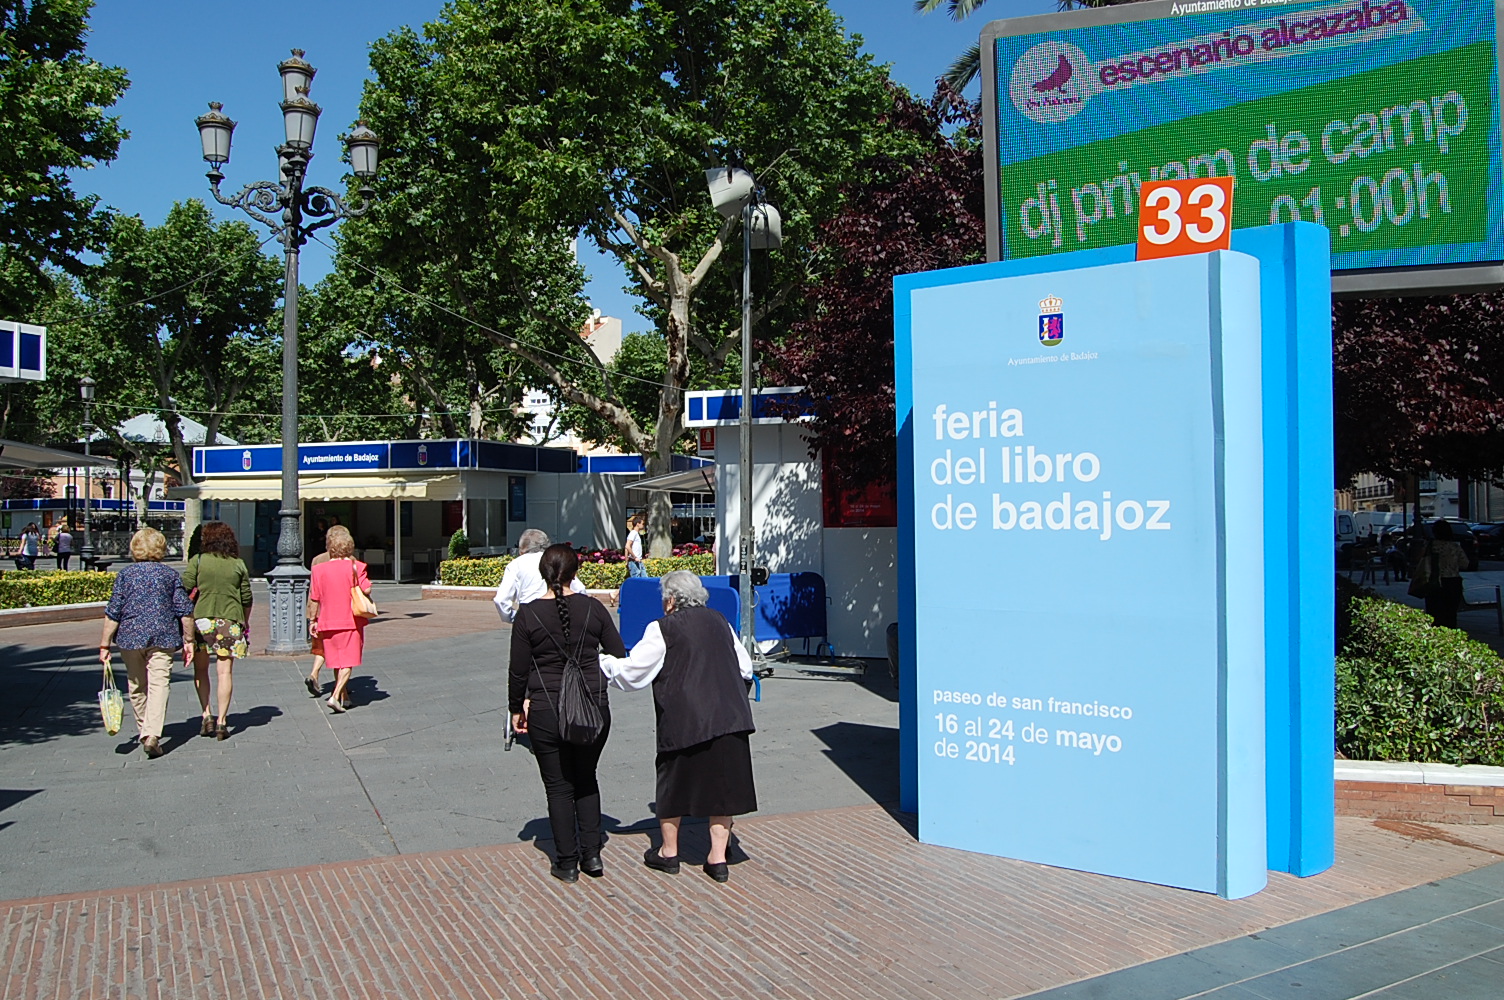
[(966, 68)]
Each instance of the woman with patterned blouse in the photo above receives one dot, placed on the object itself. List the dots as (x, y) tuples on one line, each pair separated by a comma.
[(150, 618)]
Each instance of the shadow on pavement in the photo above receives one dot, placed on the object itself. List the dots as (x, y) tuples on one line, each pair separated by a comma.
[(363, 690), (46, 696), (867, 754)]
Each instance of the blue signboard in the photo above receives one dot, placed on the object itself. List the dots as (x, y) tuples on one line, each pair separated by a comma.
[(382, 456), (1299, 613), (1093, 438), (23, 352)]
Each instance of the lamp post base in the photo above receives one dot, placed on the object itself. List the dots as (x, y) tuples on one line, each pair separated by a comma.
[(289, 602)]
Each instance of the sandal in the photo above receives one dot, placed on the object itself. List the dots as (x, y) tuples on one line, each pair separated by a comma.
[(313, 686), (206, 726), (221, 731)]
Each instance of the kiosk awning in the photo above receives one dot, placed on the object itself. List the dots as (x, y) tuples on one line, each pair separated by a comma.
[(19, 455), (333, 488), (701, 480)]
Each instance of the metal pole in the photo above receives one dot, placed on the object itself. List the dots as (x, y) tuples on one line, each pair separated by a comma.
[(288, 580), (86, 551), (744, 548)]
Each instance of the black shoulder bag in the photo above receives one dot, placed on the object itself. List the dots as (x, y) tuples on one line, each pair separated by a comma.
[(580, 719)]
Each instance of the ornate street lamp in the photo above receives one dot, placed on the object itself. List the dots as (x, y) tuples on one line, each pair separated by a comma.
[(86, 393), (733, 192), (302, 211)]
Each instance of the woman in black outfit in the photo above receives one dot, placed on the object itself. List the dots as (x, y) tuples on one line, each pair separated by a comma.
[(546, 630)]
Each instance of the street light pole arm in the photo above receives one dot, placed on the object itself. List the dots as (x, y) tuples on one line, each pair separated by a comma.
[(261, 200)]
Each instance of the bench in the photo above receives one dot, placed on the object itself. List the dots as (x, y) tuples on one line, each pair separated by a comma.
[(1494, 605)]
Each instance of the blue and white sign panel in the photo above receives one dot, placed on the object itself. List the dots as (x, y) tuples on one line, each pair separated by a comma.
[(1088, 567), (23, 352)]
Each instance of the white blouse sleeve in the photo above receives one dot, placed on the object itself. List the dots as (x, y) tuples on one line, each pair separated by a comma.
[(637, 669), (743, 661)]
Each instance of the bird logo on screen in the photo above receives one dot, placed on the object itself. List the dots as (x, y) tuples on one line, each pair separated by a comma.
[(1051, 321), (1044, 85), (1058, 79)]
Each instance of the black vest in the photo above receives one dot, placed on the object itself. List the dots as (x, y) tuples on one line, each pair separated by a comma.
[(699, 694)]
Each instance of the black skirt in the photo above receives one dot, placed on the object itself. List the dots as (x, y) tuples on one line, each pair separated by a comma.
[(713, 778)]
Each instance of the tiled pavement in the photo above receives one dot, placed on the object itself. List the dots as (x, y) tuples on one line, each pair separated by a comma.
[(837, 903), (403, 804)]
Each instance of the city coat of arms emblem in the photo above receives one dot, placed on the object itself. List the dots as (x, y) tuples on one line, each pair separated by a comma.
[(245, 460), (1051, 321)]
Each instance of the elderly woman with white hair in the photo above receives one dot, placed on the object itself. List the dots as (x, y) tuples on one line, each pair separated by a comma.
[(699, 672)]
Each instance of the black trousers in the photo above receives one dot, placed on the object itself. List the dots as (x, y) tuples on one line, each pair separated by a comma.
[(568, 771), (62, 559)]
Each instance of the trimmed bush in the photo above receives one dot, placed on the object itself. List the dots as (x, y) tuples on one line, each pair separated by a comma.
[(47, 588), (594, 575), (1409, 690), (459, 545), (473, 572)]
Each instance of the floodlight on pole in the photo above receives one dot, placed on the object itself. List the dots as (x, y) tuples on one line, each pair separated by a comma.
[(733, 192)]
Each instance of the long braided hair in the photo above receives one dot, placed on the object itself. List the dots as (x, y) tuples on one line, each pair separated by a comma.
[(558, 567)]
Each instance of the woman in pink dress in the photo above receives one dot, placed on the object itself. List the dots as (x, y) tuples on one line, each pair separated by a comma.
[(331, 618)]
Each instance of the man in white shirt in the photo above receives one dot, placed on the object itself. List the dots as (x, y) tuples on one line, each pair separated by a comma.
[(522, 582)]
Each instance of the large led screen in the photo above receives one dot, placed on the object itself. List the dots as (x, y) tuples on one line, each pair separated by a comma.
[(1376, 118)]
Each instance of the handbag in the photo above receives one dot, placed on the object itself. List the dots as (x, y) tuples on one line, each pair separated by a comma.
[(361, 605), (111, 705), (580, 718), (1426, 581)]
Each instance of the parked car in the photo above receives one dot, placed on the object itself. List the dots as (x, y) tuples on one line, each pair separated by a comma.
[(1490, 538)]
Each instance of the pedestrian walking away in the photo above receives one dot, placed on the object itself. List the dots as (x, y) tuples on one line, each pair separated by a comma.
[(521, 581), (701, 677), (221, 587), (63, 546), (150, 617), (556, 643), (334, 622), (315, 644), (1438, 575)]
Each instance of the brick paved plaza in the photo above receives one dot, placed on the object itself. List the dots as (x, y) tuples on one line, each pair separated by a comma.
[(398, 852)]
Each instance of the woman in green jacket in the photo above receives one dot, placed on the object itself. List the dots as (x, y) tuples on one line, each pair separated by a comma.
[(221, 617)]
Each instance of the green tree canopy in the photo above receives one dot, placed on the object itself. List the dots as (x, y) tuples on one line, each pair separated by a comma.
[(53, 102), (511, 128)]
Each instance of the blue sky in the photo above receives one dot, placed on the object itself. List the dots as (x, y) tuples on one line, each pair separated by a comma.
[(181, 54)]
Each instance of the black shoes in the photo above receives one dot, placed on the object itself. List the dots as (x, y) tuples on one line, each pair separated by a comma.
[(151, 746), (312, 686), (657, 862), (719, 872), (590, 863), (565, 873)]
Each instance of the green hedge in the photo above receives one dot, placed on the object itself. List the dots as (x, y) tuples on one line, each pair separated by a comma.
[(1409, 690), (595, 576), (45, 588)]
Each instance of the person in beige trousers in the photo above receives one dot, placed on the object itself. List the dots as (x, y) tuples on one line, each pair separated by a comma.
[(150, 618)]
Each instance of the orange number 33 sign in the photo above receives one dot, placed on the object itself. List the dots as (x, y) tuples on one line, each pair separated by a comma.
[(1181, 217)]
